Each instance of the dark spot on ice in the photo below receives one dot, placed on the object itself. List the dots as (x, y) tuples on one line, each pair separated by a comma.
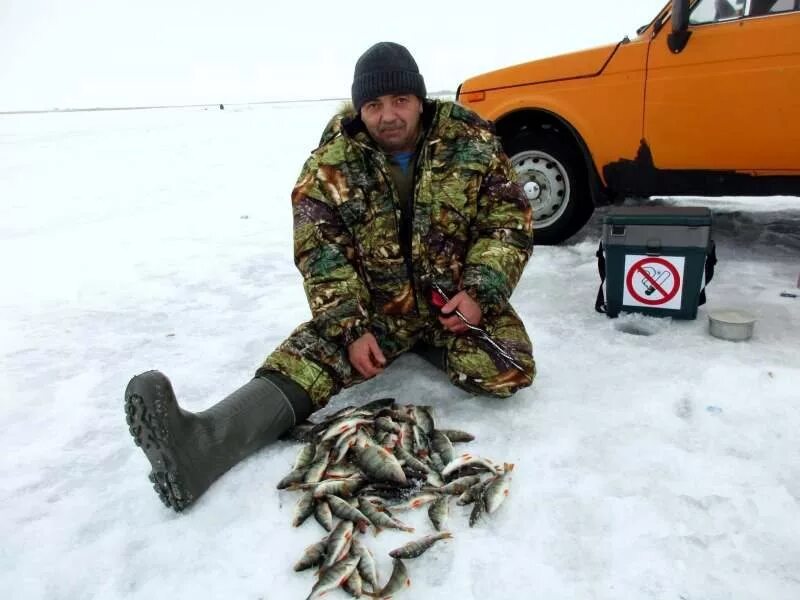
[(683, 408), (632, 328)]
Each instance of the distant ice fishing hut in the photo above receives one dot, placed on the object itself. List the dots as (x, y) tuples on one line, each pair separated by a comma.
[(655, 260)]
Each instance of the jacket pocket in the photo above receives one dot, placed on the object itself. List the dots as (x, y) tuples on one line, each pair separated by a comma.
[(454, 195)]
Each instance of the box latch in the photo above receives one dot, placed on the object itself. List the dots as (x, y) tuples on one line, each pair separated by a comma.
[(653, 247)]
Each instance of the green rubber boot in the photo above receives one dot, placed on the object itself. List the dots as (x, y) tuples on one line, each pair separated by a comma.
[(189, 451)]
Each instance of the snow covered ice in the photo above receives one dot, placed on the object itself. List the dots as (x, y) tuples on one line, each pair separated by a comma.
[(652, 460)]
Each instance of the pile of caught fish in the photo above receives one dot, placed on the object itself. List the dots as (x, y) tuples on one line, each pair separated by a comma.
[(363, 464)]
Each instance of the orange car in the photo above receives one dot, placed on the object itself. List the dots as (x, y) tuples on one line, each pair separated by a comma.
[(704, 101)]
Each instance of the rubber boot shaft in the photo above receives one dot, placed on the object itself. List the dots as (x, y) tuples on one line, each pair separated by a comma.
[(297, 396)]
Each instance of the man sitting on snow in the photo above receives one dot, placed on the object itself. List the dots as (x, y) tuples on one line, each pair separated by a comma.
[(405, 201)]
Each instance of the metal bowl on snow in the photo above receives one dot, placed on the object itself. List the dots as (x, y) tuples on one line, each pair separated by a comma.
[(730, 324)]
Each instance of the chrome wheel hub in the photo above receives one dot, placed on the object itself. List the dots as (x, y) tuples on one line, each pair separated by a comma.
[(532, 190), (545, 183)]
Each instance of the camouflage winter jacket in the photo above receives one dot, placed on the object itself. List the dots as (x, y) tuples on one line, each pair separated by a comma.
[(471, 226)]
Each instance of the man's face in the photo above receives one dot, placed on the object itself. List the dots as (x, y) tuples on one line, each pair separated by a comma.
[(393, 121)]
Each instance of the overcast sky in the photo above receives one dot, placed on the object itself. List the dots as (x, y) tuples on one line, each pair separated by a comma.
[(87, 53)]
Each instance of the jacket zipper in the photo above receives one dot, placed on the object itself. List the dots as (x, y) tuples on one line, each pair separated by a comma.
[(407, 256), (405, 249)]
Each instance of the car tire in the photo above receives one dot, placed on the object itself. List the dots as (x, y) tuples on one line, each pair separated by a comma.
[(553, 174)]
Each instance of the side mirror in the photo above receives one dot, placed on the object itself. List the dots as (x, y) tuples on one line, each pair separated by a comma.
[(680, 34)]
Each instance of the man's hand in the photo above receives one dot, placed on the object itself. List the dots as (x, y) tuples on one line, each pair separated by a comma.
[(463, 302), (366, 356)]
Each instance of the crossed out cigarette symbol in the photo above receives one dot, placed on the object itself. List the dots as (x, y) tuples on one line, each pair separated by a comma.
[(652, 278), (653, 281)]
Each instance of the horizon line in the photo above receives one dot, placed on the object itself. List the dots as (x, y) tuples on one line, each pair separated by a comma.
[(204, 105)]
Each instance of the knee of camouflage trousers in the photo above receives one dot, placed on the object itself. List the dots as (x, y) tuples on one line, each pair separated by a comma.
[(318, 366), (322, 368), (473, 366)]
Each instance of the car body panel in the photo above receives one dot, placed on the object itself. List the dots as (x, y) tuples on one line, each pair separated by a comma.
[(730, 100)]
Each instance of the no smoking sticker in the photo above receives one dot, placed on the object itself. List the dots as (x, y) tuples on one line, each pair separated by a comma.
[(654, 281)]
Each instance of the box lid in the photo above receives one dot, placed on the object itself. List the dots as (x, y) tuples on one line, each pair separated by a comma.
[(690, 216)]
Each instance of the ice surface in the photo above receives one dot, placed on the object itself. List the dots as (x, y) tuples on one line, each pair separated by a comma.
[(652, 460)]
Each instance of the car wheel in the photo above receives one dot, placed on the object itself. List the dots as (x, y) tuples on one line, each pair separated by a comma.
[(553, 176)]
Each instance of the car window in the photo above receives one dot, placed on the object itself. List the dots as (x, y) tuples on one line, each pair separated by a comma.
[(757, 8), (714, 11)]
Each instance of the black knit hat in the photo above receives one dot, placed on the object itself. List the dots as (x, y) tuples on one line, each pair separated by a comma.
[(386, 68)]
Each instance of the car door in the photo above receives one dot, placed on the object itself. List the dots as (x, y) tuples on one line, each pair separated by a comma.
[(730, 100)]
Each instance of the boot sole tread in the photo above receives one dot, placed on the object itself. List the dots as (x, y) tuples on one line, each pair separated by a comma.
[(147, 423)]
